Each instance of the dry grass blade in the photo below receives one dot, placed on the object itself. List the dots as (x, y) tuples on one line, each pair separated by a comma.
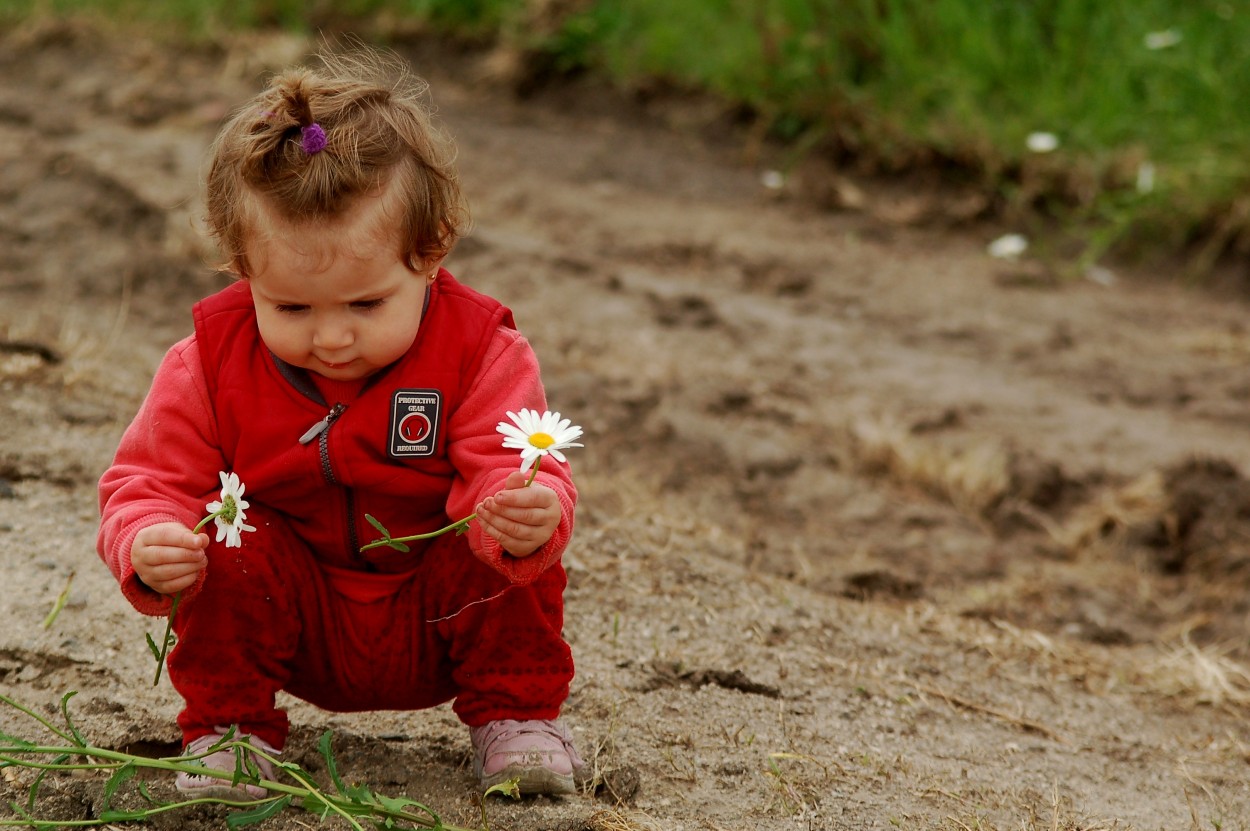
[(971, 478), (967, 704), (1203, 675), (612, 819)]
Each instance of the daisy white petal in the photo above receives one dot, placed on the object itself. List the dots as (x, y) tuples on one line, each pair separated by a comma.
[(538, 434)]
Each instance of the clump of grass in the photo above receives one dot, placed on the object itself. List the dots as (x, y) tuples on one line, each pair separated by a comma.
[(973, 479), (1104, 523), (69, 751), (615, 819), (1202, 675), (798, 782)]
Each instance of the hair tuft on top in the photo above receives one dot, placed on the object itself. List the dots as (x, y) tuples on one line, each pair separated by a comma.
[(378, 130)]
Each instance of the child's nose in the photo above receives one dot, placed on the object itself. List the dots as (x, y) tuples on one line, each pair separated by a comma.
[(332, 334)]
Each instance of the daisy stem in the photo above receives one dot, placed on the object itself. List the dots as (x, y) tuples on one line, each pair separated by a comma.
[(462, 523), (169, 627), (427, 535), (169, 622), (199, 526)]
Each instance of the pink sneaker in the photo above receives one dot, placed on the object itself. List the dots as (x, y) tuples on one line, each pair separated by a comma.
[(226, 759), (539, 754)]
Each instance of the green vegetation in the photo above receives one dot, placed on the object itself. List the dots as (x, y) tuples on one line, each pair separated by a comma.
[(356, 805), (1145, 97)]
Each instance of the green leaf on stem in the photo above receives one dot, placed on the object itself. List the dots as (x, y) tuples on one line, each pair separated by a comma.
[(379, 526), (509, 787), (147, 795), (59, 604), (69, 722), (318, 809), (240, 819), (225, 739), (400, 804), (359, 794), (120, 777), (14, 743), (23, 813), (169, 639), (156, 650), (331, 766), (33, 793), (123, 816), (241, 763)]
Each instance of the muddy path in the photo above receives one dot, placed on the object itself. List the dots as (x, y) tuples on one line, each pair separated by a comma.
[(877, 530)]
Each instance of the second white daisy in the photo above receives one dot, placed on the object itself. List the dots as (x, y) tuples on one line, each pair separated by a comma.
[(227, 513)]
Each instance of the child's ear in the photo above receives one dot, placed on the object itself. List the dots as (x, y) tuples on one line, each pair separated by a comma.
[(428, 267), (432, 269)]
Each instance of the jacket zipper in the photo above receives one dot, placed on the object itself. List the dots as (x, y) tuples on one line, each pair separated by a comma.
[(319, 428), (321, 432)]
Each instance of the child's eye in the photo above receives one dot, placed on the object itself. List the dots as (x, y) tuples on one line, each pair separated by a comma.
[(290, 308), (368, 305)]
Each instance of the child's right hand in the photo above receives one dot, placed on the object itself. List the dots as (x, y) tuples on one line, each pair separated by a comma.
[(168, 557)]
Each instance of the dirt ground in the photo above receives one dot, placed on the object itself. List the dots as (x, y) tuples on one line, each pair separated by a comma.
[(877, 531)]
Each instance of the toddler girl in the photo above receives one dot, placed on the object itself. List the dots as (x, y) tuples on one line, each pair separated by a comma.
[(347, 373)]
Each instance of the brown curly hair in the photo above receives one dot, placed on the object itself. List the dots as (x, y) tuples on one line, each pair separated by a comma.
[(379, 134)]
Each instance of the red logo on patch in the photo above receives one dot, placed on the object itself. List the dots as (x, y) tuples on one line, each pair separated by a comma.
[(415, 428)]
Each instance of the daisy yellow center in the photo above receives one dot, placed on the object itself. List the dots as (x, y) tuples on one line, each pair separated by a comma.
[(229, 509), (541, 440)]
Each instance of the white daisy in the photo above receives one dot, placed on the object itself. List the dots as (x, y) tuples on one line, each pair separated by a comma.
[(1042, 142), (228, 512), (537, 435), (1008, 246)]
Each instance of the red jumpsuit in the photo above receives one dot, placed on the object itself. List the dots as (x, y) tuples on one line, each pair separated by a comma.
[(298, 607)]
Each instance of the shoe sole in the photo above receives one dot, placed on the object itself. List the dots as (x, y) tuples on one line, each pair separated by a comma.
[(533, 780), (212, 790)]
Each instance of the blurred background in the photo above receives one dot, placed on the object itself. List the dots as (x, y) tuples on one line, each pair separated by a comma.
[(1101, 128)]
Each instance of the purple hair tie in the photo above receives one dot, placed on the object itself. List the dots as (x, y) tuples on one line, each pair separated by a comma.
[(312, 139)]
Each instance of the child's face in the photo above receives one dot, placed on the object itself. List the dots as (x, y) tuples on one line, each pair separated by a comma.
[(336, 299)]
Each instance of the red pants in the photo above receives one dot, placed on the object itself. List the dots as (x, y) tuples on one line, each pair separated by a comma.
[(269, 617)]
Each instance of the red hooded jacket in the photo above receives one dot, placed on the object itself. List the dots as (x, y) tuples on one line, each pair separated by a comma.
[(415, 447)]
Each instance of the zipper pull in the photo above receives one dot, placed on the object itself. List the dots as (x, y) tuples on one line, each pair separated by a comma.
[(323, 425)]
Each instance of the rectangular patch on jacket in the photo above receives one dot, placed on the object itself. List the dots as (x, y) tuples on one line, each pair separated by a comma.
[(414, 422)]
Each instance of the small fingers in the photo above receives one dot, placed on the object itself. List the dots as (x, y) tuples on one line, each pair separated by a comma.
[(170, 533), (515, 538), (167, 555), (171, 578), (502, 528), (533, 495)]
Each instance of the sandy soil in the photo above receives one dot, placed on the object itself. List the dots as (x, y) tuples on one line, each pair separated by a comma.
[(877, 531)]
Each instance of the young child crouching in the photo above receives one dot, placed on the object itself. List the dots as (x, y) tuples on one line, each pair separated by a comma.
[(347, 373)]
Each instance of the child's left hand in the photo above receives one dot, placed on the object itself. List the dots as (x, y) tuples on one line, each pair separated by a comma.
[(521, 518)]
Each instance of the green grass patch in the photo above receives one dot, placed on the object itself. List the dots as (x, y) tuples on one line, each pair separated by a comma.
[(1147, 98)]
